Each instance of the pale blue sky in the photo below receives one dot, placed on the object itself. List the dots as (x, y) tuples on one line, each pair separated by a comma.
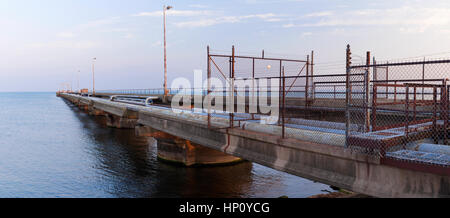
[(44, 43)]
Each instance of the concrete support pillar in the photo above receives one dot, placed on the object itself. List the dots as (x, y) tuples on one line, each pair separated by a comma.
[(83, 107), (120, 122), (176, 150), (95, 112)]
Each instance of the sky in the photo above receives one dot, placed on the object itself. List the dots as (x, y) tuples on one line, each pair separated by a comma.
[(45, 43)]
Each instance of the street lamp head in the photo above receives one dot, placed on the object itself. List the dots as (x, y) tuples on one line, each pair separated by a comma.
[(169, 7)]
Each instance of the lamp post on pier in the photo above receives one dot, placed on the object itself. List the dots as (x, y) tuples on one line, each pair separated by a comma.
[(78, 81), (93, 76), (165, 8)]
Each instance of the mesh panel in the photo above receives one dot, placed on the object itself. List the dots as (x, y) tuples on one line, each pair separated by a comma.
[(406, 104), (264, 74)]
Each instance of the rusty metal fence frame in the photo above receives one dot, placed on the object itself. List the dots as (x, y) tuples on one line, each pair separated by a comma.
[(306, 67), (363, 109)]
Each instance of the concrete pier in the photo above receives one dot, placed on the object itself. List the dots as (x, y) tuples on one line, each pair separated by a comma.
[(322, 158), (170, 148), (177, 150), (120, 122), (96, 112)]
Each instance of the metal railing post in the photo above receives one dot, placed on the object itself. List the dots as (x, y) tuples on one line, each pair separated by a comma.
[(284, 107), (367, 94), (374, 108), (347, 95), (436, 141), (407, 112)]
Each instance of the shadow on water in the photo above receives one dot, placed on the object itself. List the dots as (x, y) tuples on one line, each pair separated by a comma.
[(128, 167)]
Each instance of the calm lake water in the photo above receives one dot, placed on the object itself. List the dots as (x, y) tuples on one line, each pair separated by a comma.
[(48, 148)]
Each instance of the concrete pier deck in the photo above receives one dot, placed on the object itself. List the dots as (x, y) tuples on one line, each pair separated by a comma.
[(309, 153)]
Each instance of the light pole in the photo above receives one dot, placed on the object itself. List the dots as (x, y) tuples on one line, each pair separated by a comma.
[(78, 81), (165, 50), (93, 76)]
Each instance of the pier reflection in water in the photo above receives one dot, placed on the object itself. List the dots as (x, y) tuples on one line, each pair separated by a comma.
[(59, 151)]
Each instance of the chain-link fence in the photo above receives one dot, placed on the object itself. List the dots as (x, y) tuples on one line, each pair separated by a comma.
[(250, 85), (403, 109)]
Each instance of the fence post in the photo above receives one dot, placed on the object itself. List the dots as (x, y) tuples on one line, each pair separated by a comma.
[(283, 107), (367, 94), (375, 71), (407, 112), (280, 86), (423, 79), (347, 95), (395, 91), (312, 76), (209, 86), (435, 115), (444, 109), (232, 88), (253, 90), (307, 83), (415, 105), (446, 102), (374, 107), (387, 81)]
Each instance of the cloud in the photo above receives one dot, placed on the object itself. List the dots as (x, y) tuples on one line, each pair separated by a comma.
[(204, 18), (128, 36), (202, 23), (268, 17), (419, 18), (198, 6), (117, 30), (270, 1), (100, 22), (289, 25), (319, 14), (101, 25), (157, 44), (66, 34), (180, 13), (106, 25), (79, 37), (260, 16), (406, 18)]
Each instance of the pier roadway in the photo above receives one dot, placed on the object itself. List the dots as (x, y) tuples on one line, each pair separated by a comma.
[(313, 154)]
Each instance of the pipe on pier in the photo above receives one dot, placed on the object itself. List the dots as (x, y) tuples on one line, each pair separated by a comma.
[(433, 148)]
